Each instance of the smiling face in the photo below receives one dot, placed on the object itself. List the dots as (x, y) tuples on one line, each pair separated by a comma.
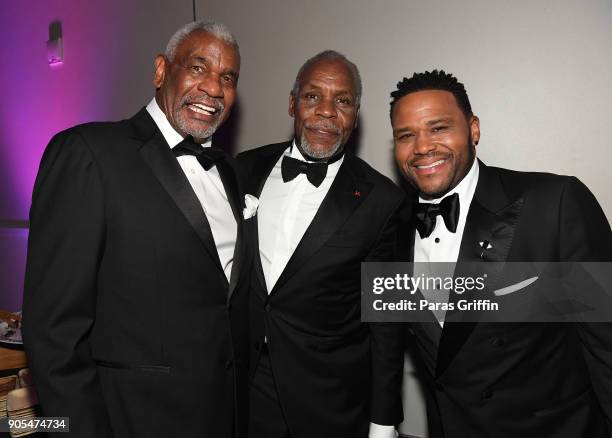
[(198, 88), (434, 141), (324, 108)]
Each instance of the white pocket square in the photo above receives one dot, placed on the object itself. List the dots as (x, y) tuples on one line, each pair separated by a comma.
[(514, 287), (250, 206)]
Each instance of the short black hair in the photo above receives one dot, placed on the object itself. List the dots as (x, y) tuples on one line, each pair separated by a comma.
[(433, 80)]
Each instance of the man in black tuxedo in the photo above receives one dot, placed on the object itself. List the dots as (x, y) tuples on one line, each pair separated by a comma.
[(136, 287), (318, 370), (498, 379)]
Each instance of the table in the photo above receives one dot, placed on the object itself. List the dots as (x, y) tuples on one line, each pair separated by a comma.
[(11, 359)]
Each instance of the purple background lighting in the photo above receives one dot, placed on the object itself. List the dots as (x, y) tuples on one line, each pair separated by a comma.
[(106, 75), (40, 100)]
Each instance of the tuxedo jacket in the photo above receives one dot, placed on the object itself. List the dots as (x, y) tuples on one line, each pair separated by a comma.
[(131, 328), (521, 379), (334, 374)]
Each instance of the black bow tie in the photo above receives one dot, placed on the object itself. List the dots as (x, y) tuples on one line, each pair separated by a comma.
[(315, 172), (207, 157), (425, 215)]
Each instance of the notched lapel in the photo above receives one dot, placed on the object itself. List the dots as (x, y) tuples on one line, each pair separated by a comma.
[(345, 195), (162, 162)]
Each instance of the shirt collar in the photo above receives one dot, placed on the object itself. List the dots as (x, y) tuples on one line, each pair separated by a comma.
[(172, 137), (465, 189)]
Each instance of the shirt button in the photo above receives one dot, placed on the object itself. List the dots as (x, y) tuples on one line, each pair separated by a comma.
[(437, 240), (193, 171), (268, 308), (228, 364), (487, 394)]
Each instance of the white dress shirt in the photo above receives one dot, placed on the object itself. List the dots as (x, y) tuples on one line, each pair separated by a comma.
[(442, 245), (285, 211), (208, 188)]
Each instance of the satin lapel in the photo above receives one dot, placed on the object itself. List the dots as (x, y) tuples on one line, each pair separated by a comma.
[(230, 184), (492, 218), (164, 165), (337, 206), (263, 165), (260, 173)]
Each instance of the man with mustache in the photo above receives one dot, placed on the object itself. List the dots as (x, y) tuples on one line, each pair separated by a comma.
[(136, 286), (318, 370), (486, 379)]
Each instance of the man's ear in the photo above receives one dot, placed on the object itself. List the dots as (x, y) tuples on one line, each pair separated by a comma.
[(291, 104), (160, 71), (475, 129)]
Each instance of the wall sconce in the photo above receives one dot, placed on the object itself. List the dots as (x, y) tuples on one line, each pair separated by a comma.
[(55, 45)]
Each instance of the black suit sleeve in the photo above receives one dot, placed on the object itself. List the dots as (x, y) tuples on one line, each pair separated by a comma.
[(387, 343), (64, 250), (585, 236)]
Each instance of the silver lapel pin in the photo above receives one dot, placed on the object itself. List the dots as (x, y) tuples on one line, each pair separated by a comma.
[(485, 245)]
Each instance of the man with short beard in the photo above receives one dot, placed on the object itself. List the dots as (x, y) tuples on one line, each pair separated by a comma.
[(136, 294), (505, 379), (318, 370)]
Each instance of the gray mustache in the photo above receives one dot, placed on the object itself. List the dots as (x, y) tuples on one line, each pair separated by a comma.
[(324, 127), (206, 100)]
